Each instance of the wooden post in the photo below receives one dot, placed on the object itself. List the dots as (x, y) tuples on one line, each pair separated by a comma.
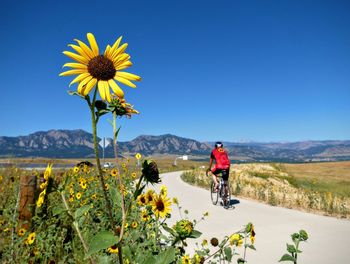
[(27, 200)]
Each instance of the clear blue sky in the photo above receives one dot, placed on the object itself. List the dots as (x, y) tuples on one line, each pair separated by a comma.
[(212, 70)]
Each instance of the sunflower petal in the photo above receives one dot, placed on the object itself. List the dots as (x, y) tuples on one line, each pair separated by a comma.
[(116, 44), (76, 57), (91, 84), (125, 81), (128, 76), (116, 89), (85, 48), (121, 58), (79, 50), (79, 78), (107, 51), (101, 89), (93, 43), (75, 65), (120, 50), (82, 84), (72, 72), (108, 93), (123, 66)]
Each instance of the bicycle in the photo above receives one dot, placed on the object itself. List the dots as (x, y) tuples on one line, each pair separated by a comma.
[(220, 192)]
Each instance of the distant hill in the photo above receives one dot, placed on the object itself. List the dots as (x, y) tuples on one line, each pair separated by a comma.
[(79, 144)]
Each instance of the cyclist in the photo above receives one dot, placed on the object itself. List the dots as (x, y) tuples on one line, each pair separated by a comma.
[(222, 165)]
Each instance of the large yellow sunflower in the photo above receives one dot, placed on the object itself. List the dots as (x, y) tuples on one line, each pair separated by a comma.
[(103, 70), (161, 205)]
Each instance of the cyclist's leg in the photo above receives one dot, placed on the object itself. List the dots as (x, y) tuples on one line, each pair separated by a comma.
[(225, 175), (215, 180)]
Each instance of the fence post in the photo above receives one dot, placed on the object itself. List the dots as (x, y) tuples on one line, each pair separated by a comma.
[(27, 200)]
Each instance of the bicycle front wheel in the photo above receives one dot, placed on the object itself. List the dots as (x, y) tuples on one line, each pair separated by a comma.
[(214, 195)]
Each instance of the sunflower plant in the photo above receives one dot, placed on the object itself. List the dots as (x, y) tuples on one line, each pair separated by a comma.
[(95, 215)]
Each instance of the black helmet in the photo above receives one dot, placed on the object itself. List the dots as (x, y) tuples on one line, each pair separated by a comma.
[(218, 144)]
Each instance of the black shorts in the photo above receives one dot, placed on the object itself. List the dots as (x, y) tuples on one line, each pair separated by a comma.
[(224, 172)]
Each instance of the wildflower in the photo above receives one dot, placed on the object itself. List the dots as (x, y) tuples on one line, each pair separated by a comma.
[(185, 259), (1, 178), (30, 239), (184, 228), (126, 225), (198, 259), (106, 186), (71, 191), (175, 201), (161, 206), (113, 249), (94, 196), (204, 242), (150, 171), (163, 190), (121, 108), (78, 195), (114, 172), (40, 200), (145, 216), (124, 165), (101, 69), (149, 196), (236, 240), (134, 224), (141, 200), (22, 231), (133, 175), (83, 185), (43, 185), (76, 169), (71, 198), (138, 156), (48, 171), (252, 235)]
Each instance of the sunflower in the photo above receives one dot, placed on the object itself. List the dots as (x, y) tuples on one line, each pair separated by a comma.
[(252, 234), (22, 231), (133, 175), (114, 172), (161, 205), (145, 216), (134, 224), (236, 240), (113, 249), (30, 239), (98, 69), (48, 171), (185, 259), (138, 156), (78, 195), (40, 200), (76, 169), (149, 196), (141, 200)]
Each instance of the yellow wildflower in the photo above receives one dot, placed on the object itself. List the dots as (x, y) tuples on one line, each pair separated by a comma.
[(30, 239), (138, 156)]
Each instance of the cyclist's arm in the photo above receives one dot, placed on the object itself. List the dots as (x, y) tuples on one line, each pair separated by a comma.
[(210, 163)]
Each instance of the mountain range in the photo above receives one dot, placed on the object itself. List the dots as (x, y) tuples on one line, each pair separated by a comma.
[(79, 144)]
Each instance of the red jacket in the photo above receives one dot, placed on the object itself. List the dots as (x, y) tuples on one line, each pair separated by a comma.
[(221, 159)]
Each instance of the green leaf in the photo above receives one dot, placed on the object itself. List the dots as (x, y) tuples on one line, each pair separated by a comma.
[(149, 260), (228, 253), (75, 93), (169, 230), (167, 256), (291, 248), (252, 247), (117, 132), (195, 234), (240, 261), (82, 210), (101, 240), (101, 112), (104, 260), (115, 196), (57, 210), (287, 257)]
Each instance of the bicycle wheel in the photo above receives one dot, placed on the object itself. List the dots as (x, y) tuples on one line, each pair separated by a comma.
[(214, 195), (227, 200)]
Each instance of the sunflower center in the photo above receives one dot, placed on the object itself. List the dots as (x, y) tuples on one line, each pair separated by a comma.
[(160, 206), (101, 68)]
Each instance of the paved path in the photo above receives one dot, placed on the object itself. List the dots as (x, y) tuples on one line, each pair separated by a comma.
[(329, 238)]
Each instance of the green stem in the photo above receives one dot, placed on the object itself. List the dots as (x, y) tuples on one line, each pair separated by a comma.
[(100, 174), (120, 255)]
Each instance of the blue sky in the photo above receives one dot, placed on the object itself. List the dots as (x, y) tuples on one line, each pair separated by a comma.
[(212, 70)]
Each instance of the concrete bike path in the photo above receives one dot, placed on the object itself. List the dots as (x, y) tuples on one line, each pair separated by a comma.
[(329, 238)]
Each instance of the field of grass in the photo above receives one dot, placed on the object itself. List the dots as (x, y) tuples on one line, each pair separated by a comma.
[(317, 187)]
